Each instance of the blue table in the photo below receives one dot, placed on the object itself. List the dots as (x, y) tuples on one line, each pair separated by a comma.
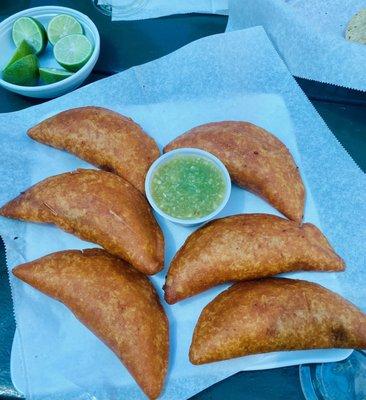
[(125, 44)]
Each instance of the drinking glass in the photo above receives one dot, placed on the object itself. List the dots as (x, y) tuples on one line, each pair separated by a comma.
[(123, 8), (342, 380)]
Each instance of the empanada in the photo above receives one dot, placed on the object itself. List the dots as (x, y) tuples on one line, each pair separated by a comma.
[(246, 246), (273, 315), (97, 206), (117, 303), (255, 159), (102, 137)]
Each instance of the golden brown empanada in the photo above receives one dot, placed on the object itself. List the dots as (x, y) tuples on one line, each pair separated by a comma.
[(97, 206), (255, 159), (116, 302), (273, 315), (102, 137), (246, 246)]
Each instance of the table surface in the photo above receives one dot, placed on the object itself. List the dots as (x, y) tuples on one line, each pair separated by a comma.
[(126, 44)]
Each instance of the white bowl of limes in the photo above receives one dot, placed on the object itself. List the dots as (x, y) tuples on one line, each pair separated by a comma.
[(47, 51)]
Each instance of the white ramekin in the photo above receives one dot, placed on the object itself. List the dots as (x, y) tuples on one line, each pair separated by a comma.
[(187, 151)]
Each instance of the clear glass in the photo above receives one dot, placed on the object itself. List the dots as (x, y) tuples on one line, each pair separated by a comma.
[(121, 8), (343, 380)]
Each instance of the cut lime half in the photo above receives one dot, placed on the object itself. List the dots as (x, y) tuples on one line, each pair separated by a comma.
[(52, 75), (30, 30), (22, 72), (62, 25), (73, 51), (23, 50)]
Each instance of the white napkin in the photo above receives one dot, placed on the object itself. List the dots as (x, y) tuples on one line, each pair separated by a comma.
[(309, 35)]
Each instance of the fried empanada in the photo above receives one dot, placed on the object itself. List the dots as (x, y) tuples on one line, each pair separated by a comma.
[(275, 314), (243, 247), (102, 137), (97, 206), (255, 159), (117, 303)]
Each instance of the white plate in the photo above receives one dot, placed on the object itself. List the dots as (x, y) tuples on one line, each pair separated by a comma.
[(46, 59)]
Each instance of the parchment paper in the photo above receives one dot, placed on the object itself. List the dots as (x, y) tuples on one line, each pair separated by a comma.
[(237, 75), (309, 36)]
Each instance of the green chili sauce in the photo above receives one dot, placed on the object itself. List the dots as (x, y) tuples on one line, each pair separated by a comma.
[(188, 187)]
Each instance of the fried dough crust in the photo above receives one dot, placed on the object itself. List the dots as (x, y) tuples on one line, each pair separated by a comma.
[(116, 302), (275, 314), (102, 137), (255, 159), (99, 207), (243, 247)]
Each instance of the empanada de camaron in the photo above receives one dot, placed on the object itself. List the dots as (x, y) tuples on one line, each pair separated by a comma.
[(116, 302), (275, 314), (255, 159), (99, 207), (102, 137), (243, 247)]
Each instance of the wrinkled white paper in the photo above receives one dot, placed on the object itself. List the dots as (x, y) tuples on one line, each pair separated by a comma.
[(236, 76), (144, 9), (309, 36)]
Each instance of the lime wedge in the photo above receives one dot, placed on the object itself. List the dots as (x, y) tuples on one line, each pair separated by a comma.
[(30, 30), (52, 75), (23, 50), (62, 25), (73, 51), (22, 72)]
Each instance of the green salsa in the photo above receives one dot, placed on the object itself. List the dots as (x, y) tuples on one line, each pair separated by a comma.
[(188, 187)]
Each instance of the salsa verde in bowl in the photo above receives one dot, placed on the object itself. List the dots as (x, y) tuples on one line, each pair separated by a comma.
[(188, 186)]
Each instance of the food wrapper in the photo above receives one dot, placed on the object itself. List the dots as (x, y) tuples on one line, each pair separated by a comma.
[(231, 76), (309, 36)]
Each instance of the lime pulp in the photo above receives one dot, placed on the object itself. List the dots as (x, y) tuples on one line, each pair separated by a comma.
[(30, 30), (23, 72), (73, 51), (52, 75), (23, 50), (62, 25)]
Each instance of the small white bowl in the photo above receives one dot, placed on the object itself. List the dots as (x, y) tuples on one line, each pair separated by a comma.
[(44, 15), (187, 151)]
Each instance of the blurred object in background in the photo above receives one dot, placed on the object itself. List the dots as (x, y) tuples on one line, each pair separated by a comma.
[(129, 10), (344, 380), (124, 8)]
